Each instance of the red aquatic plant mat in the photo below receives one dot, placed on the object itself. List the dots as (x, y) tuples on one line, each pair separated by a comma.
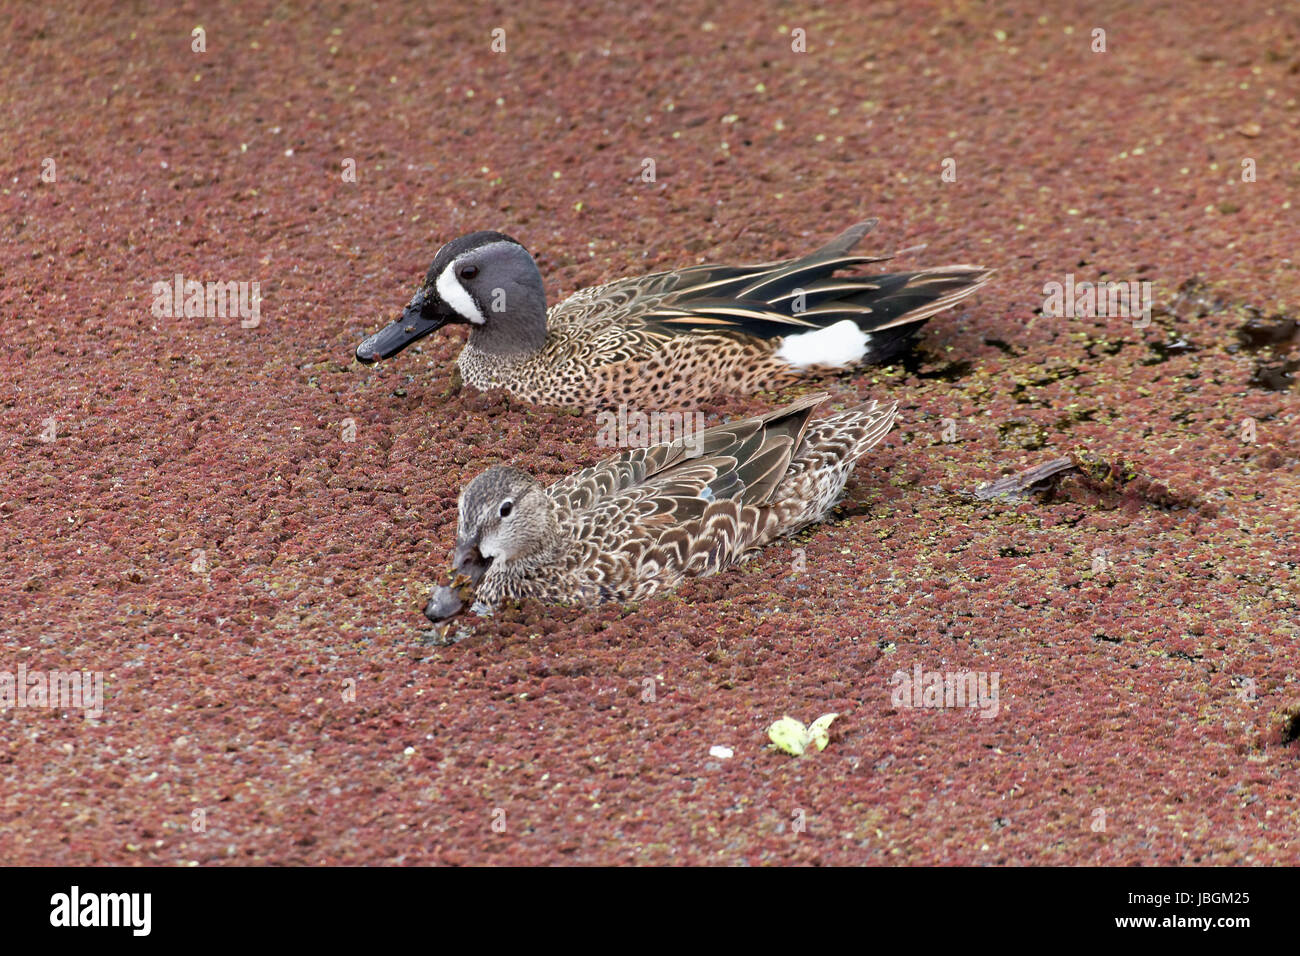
[(234, 525)]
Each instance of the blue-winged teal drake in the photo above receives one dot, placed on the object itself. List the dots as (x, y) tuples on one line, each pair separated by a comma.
[(671, 338), (645, 519)]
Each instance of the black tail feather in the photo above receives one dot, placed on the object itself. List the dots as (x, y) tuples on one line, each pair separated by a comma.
[(797, 295)]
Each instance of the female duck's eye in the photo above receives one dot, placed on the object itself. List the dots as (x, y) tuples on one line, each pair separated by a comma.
[(468, 272), (506, 508)]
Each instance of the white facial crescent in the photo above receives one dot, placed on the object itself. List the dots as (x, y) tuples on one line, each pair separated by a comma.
[(454, 294)]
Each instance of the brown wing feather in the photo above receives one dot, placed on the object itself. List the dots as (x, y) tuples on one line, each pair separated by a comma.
[(744, 460)]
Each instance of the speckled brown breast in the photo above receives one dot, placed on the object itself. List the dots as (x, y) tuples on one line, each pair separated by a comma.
[(658, 372)]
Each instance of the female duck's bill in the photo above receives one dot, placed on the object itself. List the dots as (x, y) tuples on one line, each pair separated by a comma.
[(444, 604), (448, 600)]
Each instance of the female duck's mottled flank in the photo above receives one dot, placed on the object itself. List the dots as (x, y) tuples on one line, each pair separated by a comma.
[(647, 518), (672, 337)]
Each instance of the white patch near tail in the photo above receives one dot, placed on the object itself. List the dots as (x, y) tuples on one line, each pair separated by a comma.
[(836, 345), (454, 294)]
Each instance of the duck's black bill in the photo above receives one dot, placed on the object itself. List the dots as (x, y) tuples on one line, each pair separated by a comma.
[(387, 342)]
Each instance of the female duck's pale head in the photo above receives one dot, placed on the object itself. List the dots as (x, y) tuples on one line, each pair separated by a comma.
[(506, 519)]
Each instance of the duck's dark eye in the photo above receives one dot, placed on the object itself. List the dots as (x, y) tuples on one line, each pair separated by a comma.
[(468, 272), (506, 508)]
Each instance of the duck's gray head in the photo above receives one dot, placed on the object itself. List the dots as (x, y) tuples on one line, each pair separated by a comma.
[(485, 280)]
